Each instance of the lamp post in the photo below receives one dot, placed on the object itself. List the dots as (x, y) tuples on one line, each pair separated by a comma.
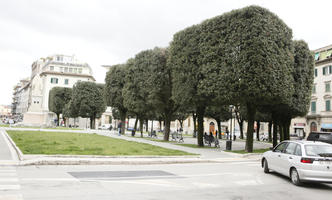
[(231, 126)]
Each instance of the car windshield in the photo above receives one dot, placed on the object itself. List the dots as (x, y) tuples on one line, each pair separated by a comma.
[(319, 150)]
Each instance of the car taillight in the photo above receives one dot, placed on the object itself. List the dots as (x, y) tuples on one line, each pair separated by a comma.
[(307, 160)]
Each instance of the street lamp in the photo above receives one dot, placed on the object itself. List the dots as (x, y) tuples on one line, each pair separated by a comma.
[(231, 126)]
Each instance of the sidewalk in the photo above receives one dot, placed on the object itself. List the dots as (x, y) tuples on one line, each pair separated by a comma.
[(204, 154), (7, 152)]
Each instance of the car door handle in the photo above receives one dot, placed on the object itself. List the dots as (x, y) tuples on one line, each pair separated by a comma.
[(279, 155), (290, 158)]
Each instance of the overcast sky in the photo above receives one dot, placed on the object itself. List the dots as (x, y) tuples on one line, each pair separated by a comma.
[(109, 32)]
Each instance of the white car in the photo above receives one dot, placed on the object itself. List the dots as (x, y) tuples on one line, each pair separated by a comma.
[(302, 161), (105, 127)]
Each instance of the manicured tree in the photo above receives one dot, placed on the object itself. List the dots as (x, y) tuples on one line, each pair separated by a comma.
[(240, 115), (187, 74), (303, 76), (160, 86), (88, 100), (70, 112), (114, 84), (135, 92), (58, 98), (219, 113), (249, 53)]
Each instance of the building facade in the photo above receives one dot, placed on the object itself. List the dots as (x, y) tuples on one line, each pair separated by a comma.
[(320, 113), (31, 100)]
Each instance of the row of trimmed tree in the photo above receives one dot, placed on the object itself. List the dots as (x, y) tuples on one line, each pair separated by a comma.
[(245, 58), (85, 99)]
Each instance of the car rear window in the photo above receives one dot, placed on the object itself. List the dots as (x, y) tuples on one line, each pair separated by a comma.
[(318, 150)]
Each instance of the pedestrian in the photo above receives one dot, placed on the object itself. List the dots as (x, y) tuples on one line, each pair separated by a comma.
[(119, 128)]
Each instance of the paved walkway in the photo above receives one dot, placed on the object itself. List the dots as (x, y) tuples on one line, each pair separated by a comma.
[(7, 154)]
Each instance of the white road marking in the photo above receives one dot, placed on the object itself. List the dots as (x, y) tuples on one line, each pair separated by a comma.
[(50, 179), (248, 182), (8, 180), (11, 197), (10, 187), (205, 185)]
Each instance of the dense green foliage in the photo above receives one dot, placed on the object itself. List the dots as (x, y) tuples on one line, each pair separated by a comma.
[(59, 97), (114, 83), (87, 101)]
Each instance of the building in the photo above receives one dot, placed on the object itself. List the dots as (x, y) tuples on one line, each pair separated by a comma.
[(320, 114), (5, 111), (31, 97), (20, 97)]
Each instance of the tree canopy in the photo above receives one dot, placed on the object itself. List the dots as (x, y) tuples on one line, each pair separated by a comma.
[(58, 98)]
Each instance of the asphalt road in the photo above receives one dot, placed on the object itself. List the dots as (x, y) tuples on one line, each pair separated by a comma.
[(235, 181)]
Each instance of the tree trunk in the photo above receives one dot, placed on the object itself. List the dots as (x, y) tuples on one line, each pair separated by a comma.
[(151, 127), (160, 125), (195, 120), (58, 117), (181, 123), (200, 116), (123, 122), (251, 110), (270, 131), (241, 129), (287, 127), (281, 132), (91, 122), (257, 131), (141, 126), (219, 129), (136, 121), (275, 134), (167, 127), (147, 125)]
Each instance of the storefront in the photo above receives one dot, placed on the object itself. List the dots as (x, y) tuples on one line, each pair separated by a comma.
[(326, 127), (299, 130)]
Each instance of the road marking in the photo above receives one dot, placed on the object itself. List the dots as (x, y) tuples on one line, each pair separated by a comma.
[(10, 187), (205, 185), (50, 179), (11, 197), (155, 183), (8, 180), (249, 182)]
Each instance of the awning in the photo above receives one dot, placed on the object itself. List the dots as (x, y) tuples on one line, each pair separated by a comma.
[(327, 126)]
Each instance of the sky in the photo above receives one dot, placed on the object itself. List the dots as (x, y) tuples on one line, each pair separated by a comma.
[(107, 32)]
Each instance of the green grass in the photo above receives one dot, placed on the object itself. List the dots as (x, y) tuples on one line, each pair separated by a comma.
[(254, 151), (196, 146), (52, 143), (4, 125)]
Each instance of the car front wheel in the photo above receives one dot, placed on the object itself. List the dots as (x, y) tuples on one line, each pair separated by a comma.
[(294, 175)]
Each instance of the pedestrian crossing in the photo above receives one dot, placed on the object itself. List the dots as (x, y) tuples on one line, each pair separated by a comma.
[(9, 184)]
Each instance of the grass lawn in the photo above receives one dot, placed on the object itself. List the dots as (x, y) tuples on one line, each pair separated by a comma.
[(255, 151), (4, 125), (52, 143), (195, 146)]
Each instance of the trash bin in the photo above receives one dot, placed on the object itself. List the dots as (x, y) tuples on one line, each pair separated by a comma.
[(229, 145), (234, 137), (133, 133)]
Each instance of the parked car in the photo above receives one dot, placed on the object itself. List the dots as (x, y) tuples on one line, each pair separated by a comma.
[(105, 127), (320, 136), (302, 161)]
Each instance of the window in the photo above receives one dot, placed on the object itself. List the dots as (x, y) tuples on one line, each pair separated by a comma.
[(317, 56), (327, 70), (328, 105), (298, 150), (290, 148), (313, 106), (327, 87), (316, 72), (59, 58), (61, 69), (280, 147), (66, 81), (75, 70), (70, 70), (54, 80), (80, 70), (314, 89), (51, 68), (66, 69)]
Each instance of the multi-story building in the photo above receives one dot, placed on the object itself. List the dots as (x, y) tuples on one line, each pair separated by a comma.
[(46, 73), (5, 111), (20, 97), (320, 113)]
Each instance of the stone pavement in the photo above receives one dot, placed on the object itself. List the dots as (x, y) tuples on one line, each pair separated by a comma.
[(7, 152), (204, 154)]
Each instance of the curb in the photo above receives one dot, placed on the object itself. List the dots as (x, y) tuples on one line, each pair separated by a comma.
[(17, 150)]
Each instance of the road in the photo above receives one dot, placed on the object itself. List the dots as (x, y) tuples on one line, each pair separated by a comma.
[(234, 181)]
